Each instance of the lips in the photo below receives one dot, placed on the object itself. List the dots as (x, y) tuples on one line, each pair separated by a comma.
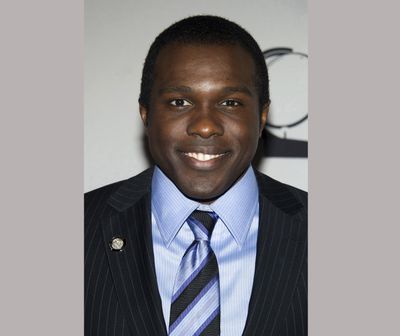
[(206, 159), (199, 156)]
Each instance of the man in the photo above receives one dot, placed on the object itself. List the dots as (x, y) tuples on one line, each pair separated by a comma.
[(201, 244)]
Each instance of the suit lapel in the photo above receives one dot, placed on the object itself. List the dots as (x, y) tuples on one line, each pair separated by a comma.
[(281, 249), (133, 267)]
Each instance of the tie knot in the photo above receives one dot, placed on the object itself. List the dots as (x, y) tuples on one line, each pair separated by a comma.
[(202, 224)]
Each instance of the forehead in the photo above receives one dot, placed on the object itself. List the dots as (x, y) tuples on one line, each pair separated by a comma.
[(179, 61)]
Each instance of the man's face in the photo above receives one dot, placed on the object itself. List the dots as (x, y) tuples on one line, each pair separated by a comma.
[(203, 121)]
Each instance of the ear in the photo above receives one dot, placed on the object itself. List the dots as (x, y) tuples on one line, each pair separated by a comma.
[(263, 117), (143, 114)]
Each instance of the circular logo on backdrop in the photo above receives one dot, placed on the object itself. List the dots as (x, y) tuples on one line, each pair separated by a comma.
[(286, 131)]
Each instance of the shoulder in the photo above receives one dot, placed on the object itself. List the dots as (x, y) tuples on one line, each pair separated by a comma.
[(283, 195), (116, 196)]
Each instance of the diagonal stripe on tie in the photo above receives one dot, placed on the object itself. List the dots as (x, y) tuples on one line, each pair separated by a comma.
[(187, 277), (211, 324), (194, 288), (199, 309), (195, 306)]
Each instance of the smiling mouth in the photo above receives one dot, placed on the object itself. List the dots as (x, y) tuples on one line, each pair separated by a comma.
[(202, 156)]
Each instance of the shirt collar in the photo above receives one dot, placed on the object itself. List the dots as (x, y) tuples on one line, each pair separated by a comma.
[(235, 208)]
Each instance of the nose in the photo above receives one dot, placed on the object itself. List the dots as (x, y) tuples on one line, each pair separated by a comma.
[(205, 123)]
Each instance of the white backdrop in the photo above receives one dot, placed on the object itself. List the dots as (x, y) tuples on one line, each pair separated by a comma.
[(118, 35)]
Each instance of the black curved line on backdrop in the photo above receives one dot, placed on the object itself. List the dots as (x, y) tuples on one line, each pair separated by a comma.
[(274, 146)]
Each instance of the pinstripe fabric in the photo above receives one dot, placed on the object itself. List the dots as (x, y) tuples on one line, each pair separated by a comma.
[(281, 269), (131, 304), (121, 295)]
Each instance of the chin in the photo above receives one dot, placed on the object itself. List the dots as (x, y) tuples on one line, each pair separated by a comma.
[(203, 199), (202, 194)]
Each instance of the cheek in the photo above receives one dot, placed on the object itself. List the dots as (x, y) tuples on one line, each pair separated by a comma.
[(246, 134), (166, 126), (163, 137)]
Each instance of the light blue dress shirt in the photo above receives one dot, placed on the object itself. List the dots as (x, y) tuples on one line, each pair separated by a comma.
[(234, 242)]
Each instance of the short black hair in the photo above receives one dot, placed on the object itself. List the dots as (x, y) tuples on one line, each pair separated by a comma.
[(205, 29)]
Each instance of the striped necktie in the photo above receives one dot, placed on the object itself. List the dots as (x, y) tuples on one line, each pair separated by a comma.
[(195, 304)]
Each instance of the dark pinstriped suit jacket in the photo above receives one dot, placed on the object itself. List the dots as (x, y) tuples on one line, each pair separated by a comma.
[(121, 294)]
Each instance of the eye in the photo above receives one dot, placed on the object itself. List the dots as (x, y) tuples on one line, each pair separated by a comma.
[(231, 103), (180, 102)]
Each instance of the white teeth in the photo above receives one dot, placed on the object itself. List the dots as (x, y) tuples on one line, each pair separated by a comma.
[(202, 156)]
